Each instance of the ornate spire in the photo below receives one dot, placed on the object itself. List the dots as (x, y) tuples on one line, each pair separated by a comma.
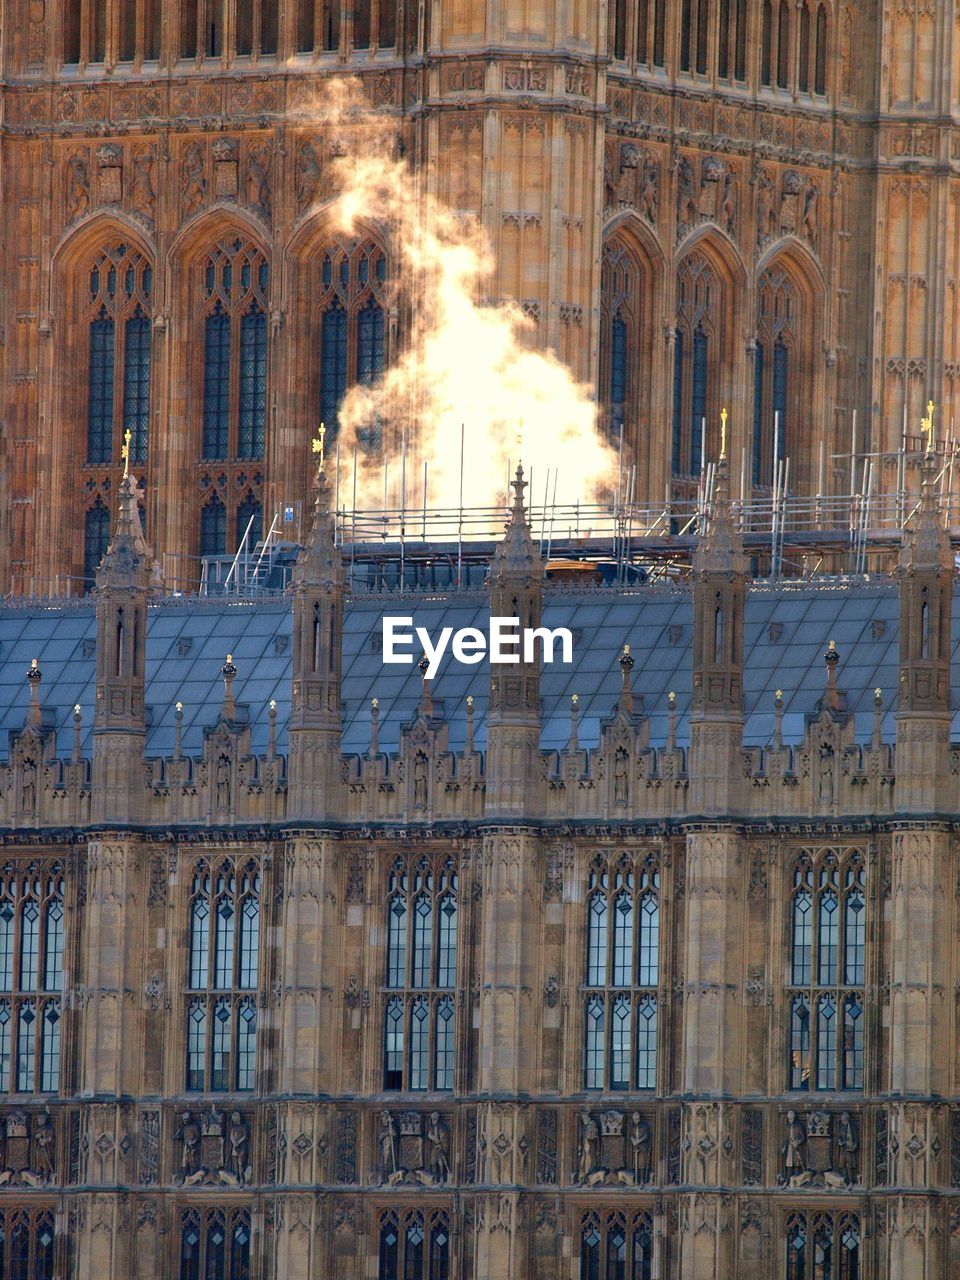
[(720, 547), (926, 544), (320, 562), (516, 555), (126, 561)]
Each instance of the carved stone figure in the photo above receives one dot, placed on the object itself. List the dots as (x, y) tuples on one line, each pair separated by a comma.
[(142, 194), (223, 783), (810, 225), (609, 182), (589, 1146), (649, 191), (627, 183), (640, 1139), (728, 204), (437, 1138), (239, 1138), (826, 775), (388, 1146), (44, 1145), (795, 1147), (420, 781), (308, 173), (192, 178), (29, 786), (78, 187), (258, 180), (189, 1135), (620, 777), (847, 1147), (765, 214), (688, 211)]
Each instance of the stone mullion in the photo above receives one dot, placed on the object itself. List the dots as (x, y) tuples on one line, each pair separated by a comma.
[(303, 973)]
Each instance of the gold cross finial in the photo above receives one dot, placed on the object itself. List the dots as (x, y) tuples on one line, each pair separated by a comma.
[(723, 435), (928, 425), (125, 452), (318, 448)]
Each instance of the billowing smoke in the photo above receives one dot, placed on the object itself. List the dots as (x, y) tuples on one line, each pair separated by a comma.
[(462, 361)]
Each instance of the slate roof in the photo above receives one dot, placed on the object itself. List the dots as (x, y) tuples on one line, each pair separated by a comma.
[(787, 629)]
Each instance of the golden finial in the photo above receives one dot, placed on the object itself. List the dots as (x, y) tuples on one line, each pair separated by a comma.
[(318, 447), (374, 704), (125, 452), (34, 663), (273, 704), (76, 709), (179, 707), (575, 699), (469, 701), (626, 651), (779, 695), (723, 434), (927, 425)]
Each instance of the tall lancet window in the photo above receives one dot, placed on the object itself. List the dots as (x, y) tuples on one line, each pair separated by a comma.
[(32, 940), (776, 398), (223, 977), (827, 972), (696, 361), (622, 338), (353, 303), (419, 1038), (622, 976)]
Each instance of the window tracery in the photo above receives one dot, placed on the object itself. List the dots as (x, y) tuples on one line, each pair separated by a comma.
[(215, 1244), (823, 1246), (414, 1246), (32, 934), (696, 361), (622, 975), (223, 976), (421, 976), (828, 940), (622, 337), (28, 1243), (616, 1246)]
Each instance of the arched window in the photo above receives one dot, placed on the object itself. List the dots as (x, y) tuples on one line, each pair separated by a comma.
[(618, 29), (777, 400), (820, 61), (353, 300), (27, 1243), (783, 46), (766, 44), (621, 337), (796, 1247), (827, 972), (224, 964), (213, 528), (622, 973), (249, 522), (696, 361), (96, 539), (615, 1246), (414, 1246), (695, 35), (419, 1020), (31, 976), (804, 81), (116, 312), (214, 1242)]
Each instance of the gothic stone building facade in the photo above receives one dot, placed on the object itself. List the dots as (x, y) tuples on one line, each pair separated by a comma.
[(654, 978), (700, 202)]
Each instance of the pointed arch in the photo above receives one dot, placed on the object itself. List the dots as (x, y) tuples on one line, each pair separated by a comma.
[(631, 284), (709, 277), (101, 302), (790, 294)]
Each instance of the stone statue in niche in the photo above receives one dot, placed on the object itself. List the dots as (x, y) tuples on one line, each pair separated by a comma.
[(765, 214), (711, 172), (388, 1146), (189, 1135), (223, 783), (648, 200), (420, 781), (728, 204), (688, 211), (239, 1136), (78, 187), (44, 1145), (811, 226), (627, 182), (609, 182), (640, 1139), (794, 1151), (258, 180), (28, 786), (589, 1146), (620, 777), (826, 775), (142, 194), (28, 1149), (847, 1148), (439, 1142), (193, 181), (308, 173)]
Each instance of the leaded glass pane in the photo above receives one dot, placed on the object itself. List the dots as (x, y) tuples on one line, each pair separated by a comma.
[(397, 942), (100, 389), (29, 944), (620, 1044), (623, 940), (136, 384), (246, 1044), (222, 1037), (53, 947), (50, 1048), (595, 1048), (393, 1044), (96, 538), (196, 1045), (648, 973), (249, 941), (199, 942), (26, 1047), (647, 1043), (422, 940), (216, 385), (444, 1044), (447, 943), (826, 1043), (597, 941), (333, 362), (420, 1045), (253, 384)]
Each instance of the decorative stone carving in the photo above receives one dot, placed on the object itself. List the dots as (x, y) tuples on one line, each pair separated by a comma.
[(688, 209), (589, 1147), (226, 176), (795, 1152), (411, 1152), (110, 173), (193, 181), (213, 1150), (810, 228), (640, 1141), (613, 1151), (308, 174), (649, 197), (766, 224), (29, 1149), (439, 1140), (388, 1146), (142, 194), (258, 180), (847, 1162), (78, 186)]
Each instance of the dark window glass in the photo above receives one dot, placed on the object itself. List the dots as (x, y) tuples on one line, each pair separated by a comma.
[(766, 44), (618, 375), (216, 384), (96, 537), (804, 81), (333, 363), (686, 35), (268, 26), (659, 33), (387, 36), (100, 390), (213, 528), (820, 71), (128, 30), (677, 446), (71, 31), (136, 385), (253, 384), (723, 55), (250, 510), (783, 46), (698, 406), (361, 24)]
